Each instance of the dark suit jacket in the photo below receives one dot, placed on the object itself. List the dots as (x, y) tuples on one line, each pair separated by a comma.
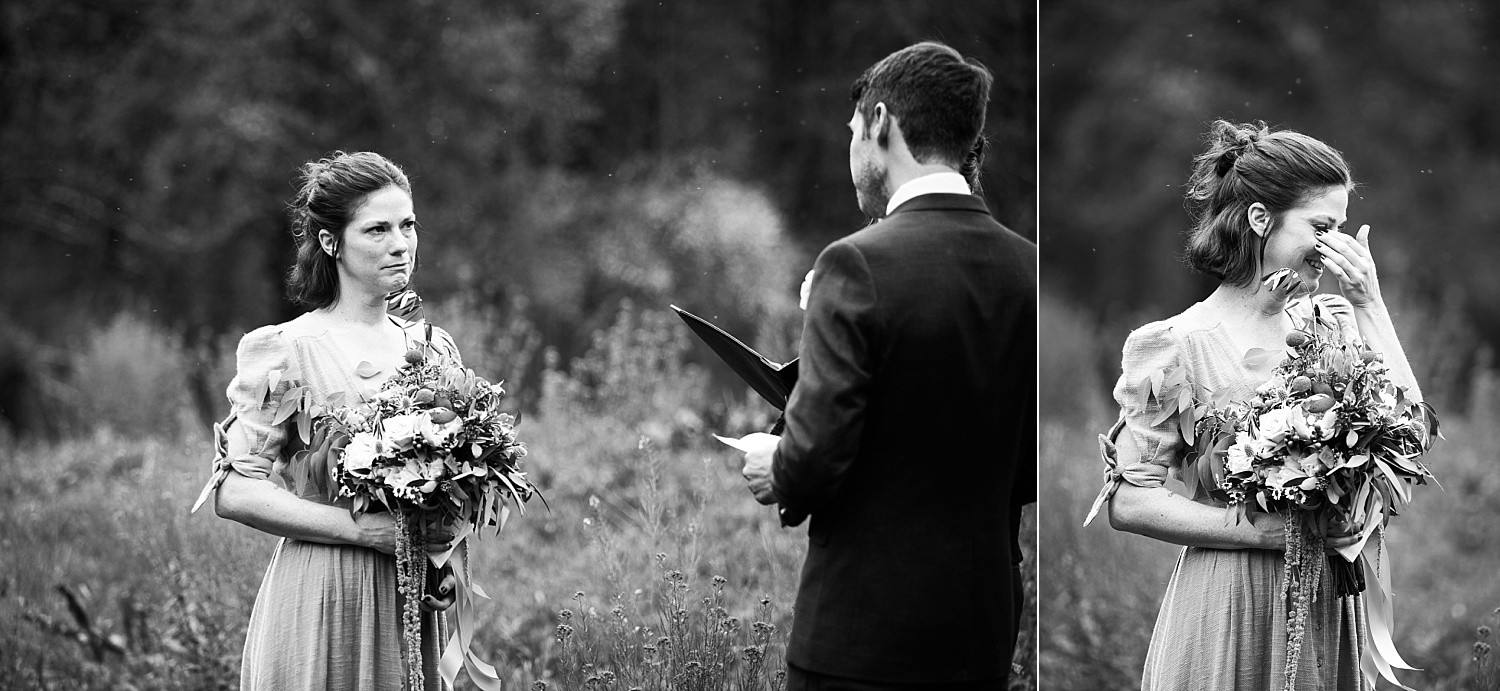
[(911, 441)]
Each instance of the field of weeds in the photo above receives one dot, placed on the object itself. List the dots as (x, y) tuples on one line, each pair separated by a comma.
[(654, 568)]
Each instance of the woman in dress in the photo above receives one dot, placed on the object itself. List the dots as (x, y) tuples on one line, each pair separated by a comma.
[(1261, 201), (328, 614)]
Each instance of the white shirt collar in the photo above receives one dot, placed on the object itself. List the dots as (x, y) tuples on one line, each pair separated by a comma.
[(946, 182)]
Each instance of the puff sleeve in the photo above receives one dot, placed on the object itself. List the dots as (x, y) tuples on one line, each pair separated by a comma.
[(263, 372), (1151, 441)]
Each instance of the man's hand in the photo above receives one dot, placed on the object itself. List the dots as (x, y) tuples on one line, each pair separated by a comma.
[(759, 449)]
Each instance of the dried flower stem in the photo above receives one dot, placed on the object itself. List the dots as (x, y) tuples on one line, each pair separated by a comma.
[(1302, 572), (411, 577)]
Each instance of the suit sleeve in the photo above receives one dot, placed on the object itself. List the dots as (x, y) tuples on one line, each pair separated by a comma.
[(825, 416)]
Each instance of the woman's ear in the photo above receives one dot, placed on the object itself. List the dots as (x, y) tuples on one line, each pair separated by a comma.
[(1259, 217), (328, 242)]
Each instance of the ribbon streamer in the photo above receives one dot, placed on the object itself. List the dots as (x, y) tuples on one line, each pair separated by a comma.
[(459, 654), (1379, 656)]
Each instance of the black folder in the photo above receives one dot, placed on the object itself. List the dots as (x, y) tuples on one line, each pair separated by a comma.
[(772, 380)]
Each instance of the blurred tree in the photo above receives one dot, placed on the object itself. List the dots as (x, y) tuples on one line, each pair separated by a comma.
[(1399, 86), (569, 152)]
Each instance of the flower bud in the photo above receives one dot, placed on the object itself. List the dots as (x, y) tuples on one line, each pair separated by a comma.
[(415, 356), (1296, 339), (1300, 385), (1318, 403)]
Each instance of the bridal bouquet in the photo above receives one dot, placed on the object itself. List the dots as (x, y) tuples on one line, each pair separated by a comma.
[(1328, 440), (433, 448)]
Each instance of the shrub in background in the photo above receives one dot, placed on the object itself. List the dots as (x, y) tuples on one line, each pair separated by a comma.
[(131, 376)]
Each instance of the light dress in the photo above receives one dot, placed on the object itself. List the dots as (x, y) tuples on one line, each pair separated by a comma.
[(1222, 624), (327, 616)]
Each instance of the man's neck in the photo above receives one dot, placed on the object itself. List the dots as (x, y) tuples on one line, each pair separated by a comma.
[(901, 173), (941, 179)]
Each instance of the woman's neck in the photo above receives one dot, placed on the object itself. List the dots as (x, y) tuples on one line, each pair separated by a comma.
[(362, 310), (1253, 302)]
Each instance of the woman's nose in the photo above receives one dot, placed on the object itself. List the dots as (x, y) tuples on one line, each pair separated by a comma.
[(400, 245)]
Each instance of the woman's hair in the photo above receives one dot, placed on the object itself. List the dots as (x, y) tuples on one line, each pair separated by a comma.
[(329, 192), (1244, 164)]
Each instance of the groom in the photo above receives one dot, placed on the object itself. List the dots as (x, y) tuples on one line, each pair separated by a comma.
[(910, 435)]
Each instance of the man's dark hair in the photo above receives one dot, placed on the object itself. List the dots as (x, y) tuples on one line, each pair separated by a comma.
[(937, 95)]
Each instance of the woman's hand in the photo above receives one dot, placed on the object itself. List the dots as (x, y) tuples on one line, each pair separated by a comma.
[(377, 531), (1271, 529), (441, 597), (1349, 259), (1341, 535), (441, 539)]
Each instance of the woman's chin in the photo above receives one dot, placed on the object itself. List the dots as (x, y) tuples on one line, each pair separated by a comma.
[(396, 283), (1308, 285)]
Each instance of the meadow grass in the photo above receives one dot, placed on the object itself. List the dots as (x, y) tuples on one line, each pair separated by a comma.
[(653, 568), (1102, 588)]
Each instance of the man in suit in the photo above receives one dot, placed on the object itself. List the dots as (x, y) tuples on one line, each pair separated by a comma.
[(911, 433)]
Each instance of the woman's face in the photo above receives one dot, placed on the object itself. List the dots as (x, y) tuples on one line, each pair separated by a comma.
[(1293, 241), (378, 252)]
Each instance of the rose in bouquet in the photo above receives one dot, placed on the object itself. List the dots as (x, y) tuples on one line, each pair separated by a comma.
[(432, 447), (1328, 442)]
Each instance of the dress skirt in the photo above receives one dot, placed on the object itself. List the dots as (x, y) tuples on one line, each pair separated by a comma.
[(1222, 627), (329, 617)]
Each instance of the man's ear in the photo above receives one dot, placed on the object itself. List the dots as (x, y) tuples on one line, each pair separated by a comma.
[(1260, 218), (880, 124)]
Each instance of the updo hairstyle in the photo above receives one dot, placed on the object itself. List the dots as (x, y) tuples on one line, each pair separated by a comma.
[(329, 193), (1244, 164)]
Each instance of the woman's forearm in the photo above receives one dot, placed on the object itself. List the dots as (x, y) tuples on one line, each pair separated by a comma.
[(266, 507), (1379, 333), (1160, 513)]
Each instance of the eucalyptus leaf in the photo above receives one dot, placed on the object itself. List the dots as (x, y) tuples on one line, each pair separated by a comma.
[(1176, 377), (1397, 485), (1256, 358), (1163, 415), (285, 411), (273, 379)]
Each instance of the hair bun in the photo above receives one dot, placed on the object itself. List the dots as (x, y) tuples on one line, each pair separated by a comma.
[(1233, 140), (1226, 161)]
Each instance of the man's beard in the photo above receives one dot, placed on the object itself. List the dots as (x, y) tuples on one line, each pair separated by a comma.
[(869, 187)]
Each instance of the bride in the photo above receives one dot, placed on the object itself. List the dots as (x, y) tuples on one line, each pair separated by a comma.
[(328, 614), (1261, 201)]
